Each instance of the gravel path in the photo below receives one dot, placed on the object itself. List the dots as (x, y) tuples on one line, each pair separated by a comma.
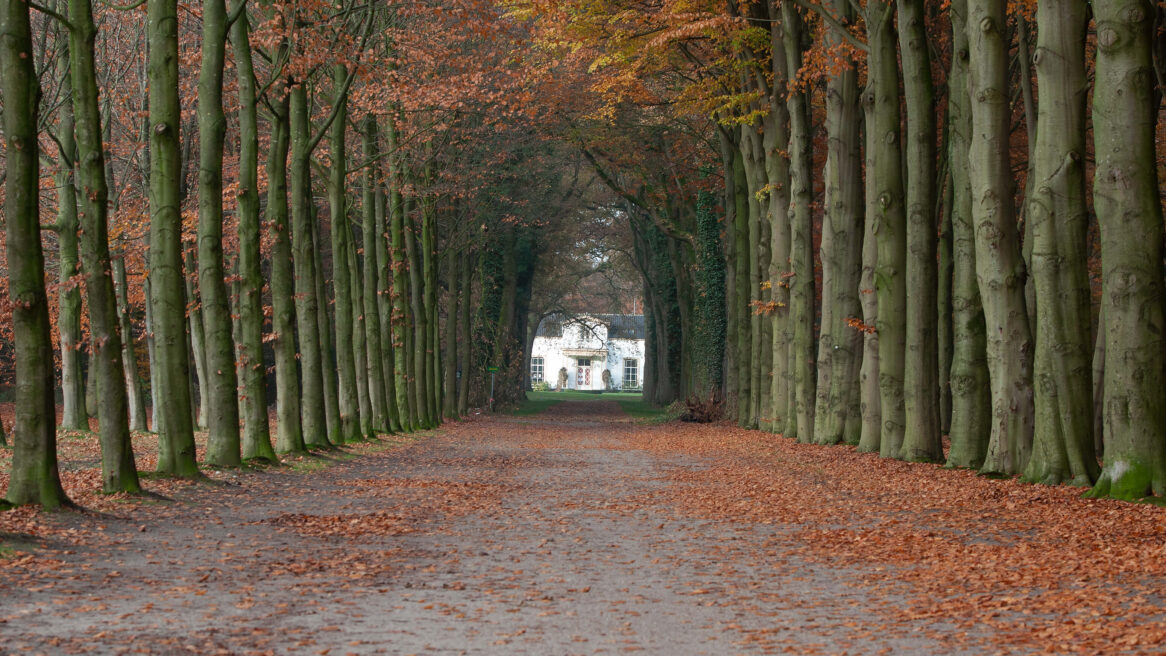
[(546, 535)]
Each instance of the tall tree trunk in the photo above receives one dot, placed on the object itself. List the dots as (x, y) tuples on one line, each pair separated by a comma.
[(776, 142), (971, 403), (220, 387), (314, 421), (372, 239), (837, 416), (801, 352), (921, 435), (359, 338), (753, 158), (882, 104), (289, 422), (136, 397), (197, 343), (870, 437), (1125, 191), (400, 317), (943, 314), (709, 333), (999, 265), (464, 312), (118, 470), (256, 436), (393, 411), (449, 397), (419, 382), (1063, 431), (432, 353), (745, 312), (326, 329), (73, 411), (34, 478), (728, 155), (349, 397)]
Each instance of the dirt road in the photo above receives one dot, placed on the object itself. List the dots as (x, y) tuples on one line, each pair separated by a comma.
[(578, 531)]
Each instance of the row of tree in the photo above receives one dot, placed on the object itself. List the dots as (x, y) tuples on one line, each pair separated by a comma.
[(364, 303), (880, 160)]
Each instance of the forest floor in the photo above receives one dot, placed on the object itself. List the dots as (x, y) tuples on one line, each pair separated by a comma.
[(581, 530)]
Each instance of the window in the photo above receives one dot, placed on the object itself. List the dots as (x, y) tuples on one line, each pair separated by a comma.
[(584, 362), (631, 372), (536, 370)]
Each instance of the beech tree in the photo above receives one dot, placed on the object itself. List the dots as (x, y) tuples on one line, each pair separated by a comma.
[(34, 478)]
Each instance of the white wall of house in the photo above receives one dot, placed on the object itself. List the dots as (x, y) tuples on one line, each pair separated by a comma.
[(585, 350)]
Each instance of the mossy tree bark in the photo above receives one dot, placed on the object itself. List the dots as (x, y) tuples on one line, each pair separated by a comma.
[(372, 238), (384, 264), (740, 263), (73, 412), (420, 324), (971, 404), (921, 435), (220, 387), (837, 415), (464, 318), (870, 437), (709, 332), (176, 452), (450, 359), (314, 421), (256, 436), (34, 478), (1125, 189), (349, 397), (800, 354), (1057, 217), (289, 427), (118, 471), (999, 264), (325, 327), (890, 229), (136, 396), (400, 289)]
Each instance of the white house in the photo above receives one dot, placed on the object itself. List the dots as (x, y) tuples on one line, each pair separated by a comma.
[(586, 347)]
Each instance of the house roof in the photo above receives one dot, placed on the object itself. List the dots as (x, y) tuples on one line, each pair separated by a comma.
[(619, 326)]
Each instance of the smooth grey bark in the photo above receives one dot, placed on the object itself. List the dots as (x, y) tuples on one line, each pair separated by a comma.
[(971, 404), (73, 411), (1129, 213), (289, 435), (256, 431), (890, 229), (464, 319), (312, 413), (372, 240), (921, 434), (801, 349), (837, 415), (348, 399), (870, 436), (34, 477), (200, 403), (136, 397), (220, 386), (118, 469), (999, 264), (1059, 223)]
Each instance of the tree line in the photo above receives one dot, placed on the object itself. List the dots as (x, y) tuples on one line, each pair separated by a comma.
[(316, 207), (891, 222)]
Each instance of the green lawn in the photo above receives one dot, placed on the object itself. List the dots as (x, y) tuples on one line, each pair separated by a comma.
[(632, 403)]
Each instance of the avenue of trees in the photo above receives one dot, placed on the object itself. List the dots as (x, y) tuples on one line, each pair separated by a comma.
[(871, 222), (887, 222)]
